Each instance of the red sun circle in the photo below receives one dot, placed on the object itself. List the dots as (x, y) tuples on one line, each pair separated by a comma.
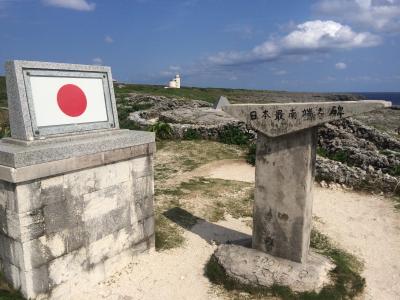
[(71, 100)]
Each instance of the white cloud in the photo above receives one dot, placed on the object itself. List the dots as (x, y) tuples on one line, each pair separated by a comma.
[(97, 61), (307, 38), (340, 66), (377, 15), (81, 5), (108, 39)]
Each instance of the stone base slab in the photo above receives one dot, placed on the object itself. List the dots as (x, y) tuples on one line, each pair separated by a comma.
[(250, 266), (76, 221)]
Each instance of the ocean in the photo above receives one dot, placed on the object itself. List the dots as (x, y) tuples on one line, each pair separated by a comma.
[(394, 96)]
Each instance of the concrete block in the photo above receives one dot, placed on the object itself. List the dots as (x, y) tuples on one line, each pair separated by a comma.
[(77, 227), (63, 215), (143, 195), (25, 226), (142, 166), (7, 198), (68, 267), (11, 251), (107, 224), (113, 174), (26, 191), (35, 282), (52, 190), (40, 251), (79, 183), (148, 226), (111, 245), (11, 274), (104, 201)]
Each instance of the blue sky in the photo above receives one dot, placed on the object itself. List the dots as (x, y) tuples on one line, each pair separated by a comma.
[(296, 45)]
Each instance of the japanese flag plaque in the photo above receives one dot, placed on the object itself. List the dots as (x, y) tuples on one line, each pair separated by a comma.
[(60, 98), (74, 187)]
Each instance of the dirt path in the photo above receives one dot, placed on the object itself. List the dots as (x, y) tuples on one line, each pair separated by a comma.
[(172, 274), (365, 225)]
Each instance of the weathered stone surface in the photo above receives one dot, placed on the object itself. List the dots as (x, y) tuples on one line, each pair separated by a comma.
[(250, 266), (57, 232), (280, 119), (283, 195), (200, 116), (17, 154)]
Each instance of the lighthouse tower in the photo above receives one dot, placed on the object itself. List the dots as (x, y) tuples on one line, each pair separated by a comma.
[(175, 83)]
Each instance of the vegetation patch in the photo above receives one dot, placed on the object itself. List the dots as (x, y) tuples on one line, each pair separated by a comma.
[(211, 199), (168, 235), (161, 129), (251, 154), (174, 157), (395, 171), (191, 134), (233, 135), (347, 282), (6, 292)]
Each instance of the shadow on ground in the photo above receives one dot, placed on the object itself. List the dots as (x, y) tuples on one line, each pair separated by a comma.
[(210, 232)]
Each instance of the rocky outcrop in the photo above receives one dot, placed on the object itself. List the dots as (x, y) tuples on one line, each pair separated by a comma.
[(358, 145), (187, 118), (330, 171), (353, 154)]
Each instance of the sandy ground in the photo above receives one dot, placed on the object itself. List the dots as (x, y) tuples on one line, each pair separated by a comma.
[(365, 225)]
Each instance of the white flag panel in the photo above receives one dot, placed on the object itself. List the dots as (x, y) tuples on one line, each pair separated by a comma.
[(47, 109)]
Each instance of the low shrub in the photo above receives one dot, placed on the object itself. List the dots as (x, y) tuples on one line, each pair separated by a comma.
[(251, 154), (162, 130), (233, 135), (191, 134)]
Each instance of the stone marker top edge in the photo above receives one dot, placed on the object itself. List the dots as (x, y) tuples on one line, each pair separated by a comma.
[(57, 66), (17, 155), (277, 119), (383, 102)]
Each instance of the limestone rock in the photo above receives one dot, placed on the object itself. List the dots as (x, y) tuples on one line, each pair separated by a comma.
[(250, 266), (199, 116)]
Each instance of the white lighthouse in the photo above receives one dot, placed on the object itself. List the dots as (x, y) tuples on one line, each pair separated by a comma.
[(175, 83)]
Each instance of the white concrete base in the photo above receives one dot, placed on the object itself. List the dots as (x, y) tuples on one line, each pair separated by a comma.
[(75, 228)]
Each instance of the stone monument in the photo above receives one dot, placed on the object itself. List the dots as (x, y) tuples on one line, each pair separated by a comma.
[(76, 192), (285, 166)]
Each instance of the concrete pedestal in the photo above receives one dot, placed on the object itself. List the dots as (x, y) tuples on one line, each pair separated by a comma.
[(74, 210), (283, 196)]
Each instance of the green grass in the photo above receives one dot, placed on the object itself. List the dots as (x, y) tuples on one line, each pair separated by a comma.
[(347, 282), (322, 152), (168, 235), (217, 197), (395, 171), (340, 155), (7, 293), (206, 94), (187, 155)]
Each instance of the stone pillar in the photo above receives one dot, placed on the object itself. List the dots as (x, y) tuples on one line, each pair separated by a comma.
[(285, 166), (283, 195)]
